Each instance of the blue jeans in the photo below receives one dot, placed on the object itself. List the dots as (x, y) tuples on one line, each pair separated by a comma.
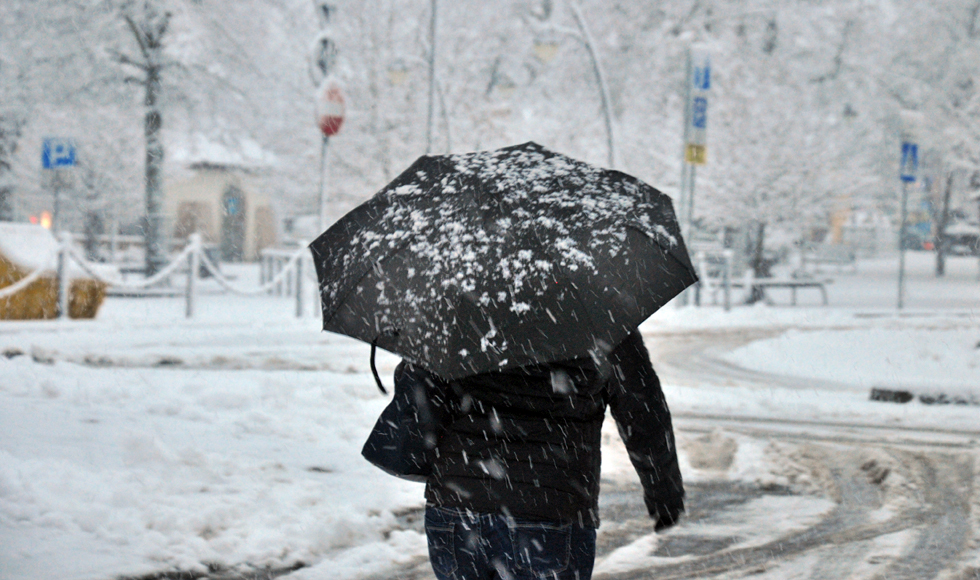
[(472, 546)]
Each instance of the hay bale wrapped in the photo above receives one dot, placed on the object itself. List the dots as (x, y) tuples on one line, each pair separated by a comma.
[(27, 248)]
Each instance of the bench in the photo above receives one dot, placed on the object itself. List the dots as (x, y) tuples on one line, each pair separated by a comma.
[(793, 284), (837, 255)]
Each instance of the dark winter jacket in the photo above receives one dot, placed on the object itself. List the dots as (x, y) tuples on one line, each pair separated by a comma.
[(526, 442)]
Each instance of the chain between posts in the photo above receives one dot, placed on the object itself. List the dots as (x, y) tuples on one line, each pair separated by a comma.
[(194, 256)]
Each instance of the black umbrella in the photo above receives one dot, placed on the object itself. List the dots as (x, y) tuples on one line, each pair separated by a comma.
[(481, 262)]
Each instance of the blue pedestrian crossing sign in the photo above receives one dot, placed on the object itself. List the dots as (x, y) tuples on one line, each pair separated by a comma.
[(910, 161), (701, 75), (57, 152)]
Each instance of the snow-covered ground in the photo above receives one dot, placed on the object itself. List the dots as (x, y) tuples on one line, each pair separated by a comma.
[(142, 441)]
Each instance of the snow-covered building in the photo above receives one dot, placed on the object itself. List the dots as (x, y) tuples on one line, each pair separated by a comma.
[(220, 200)]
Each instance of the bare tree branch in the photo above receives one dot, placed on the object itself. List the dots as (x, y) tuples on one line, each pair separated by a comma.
[(838, 58), (139, 35), (125, 59), (973, 28)]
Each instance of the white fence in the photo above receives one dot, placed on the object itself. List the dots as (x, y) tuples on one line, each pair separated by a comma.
[(715, 273), (290, 271)]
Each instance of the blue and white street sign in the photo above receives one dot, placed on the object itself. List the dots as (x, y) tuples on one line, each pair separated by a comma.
[(696, 110), (701, 74), (910, 162), (56, 153), (699, 113)]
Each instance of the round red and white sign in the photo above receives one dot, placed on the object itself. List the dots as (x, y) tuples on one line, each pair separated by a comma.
[(330, 107)]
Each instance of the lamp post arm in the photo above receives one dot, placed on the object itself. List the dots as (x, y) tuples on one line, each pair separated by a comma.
[(586, 37), (433, 23)]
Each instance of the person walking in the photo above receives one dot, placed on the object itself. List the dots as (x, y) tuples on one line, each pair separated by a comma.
[(500, 275), (514, 484)]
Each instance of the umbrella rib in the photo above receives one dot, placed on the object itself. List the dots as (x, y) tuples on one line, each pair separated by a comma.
[(371, 265), (571, 285), (667, 250)]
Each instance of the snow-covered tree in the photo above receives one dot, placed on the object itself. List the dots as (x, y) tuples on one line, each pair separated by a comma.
[(802, 118)]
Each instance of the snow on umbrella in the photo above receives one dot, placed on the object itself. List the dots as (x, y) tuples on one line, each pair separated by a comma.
[(485, 261)]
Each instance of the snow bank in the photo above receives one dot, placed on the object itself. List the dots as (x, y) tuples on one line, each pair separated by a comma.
[(884, 356), (135, 470), (32, 247)]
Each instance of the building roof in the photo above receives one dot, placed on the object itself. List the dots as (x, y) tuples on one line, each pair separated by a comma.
[(200, 151)]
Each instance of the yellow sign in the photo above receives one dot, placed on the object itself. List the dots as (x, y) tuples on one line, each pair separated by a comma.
[(696, 154)]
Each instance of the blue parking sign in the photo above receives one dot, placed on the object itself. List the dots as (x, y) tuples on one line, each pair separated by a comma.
[(56, 152), (910, 161)]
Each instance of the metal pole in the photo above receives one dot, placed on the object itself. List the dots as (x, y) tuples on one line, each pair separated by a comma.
[(682, 200), (299, 288), (689, 218), (901, 246), (432, 77), (56, 213), (681, 217), (685, 166), (323, 183), (193, 264), (63, 282)]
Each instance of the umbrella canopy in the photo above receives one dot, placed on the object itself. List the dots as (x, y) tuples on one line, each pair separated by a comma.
[(485, 261)]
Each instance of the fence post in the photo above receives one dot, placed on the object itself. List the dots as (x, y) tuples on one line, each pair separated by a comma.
[(727, 278), (276, 268), (193, 267), (261, 267), (63, 282), (299, 287)]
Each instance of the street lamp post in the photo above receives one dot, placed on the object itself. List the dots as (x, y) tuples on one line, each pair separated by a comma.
[(545, 51), (433, 22), (600, 79)]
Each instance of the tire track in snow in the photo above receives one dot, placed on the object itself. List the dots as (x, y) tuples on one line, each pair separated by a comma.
[(940, 524)]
